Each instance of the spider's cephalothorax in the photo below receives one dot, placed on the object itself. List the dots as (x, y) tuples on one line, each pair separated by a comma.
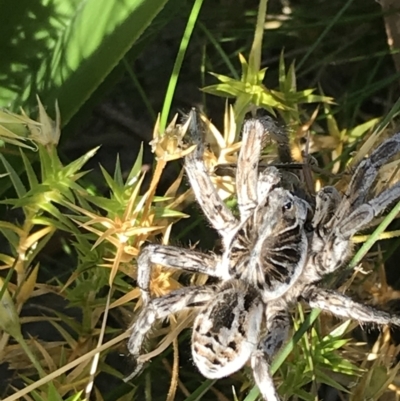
[(269, 249), (269, 260)]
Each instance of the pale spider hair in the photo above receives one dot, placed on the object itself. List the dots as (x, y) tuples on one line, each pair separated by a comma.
[(272, 257)]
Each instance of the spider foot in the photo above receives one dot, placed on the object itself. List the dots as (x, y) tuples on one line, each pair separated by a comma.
[(196, 131), (138, 369), (262, 376)]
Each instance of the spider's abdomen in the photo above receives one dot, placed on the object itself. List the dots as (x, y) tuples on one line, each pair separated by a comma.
[(226, 333)]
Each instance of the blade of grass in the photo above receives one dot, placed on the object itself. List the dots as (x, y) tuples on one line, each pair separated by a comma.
[(200, 391), (334, 20), (26, 390), (8, 278), (178, 63), (140, 89), (220, 51), (371, 77), (96, 358), (394, 111), (256, 48)]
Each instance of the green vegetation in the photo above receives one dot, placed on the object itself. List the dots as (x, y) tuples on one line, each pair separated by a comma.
[(69, 240)]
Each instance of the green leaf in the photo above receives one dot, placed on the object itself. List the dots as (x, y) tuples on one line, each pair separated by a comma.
[(242, 104), (89, 38), (339, 331), (361, 129), (48, 207), (9, 319), (231, 89), (53, 394), (223, 78), (109, 205), (282, 73), (118, 173), (10, 235), (270, 98), (75, 397), (244, 66), (77, 164), (304, 395), (33, 181), (378, 383), (163, 212), (256, 48), (137, 168), (191, 22), (109, 180), (290, 84), (324, 378), (201, 390), (334, 344), (17, 183), (345, 367), (261, 74)]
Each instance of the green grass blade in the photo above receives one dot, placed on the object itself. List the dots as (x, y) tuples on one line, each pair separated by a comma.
[(333, 21), (220, 51), (178, 63), (14, 177), (201, 390), (141, 91)]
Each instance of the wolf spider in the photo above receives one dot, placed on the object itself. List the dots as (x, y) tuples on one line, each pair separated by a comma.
[(275, 254)]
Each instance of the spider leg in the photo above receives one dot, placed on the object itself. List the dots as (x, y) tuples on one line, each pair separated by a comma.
[(281, 137), (337, 219), (159, 308), (171, 256), (267, 180), (343, 306), (278, 325), (247, 166), (263, 377), (252, 187), (217, 213), (364, 214), (364, 176), (332, 251), (327, 201), (253, 135)]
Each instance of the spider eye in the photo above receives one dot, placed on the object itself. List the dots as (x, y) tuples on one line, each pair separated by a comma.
[(308, 227), (287, 206)]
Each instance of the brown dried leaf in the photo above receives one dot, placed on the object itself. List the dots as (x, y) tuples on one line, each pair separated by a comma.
[(27, 286)]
